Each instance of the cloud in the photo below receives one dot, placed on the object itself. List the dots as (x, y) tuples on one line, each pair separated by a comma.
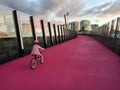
[(113, 10), (57, 21), (41, 6), (35, 7), (97, 10), (74, 7), (45, 7), (106, 10)]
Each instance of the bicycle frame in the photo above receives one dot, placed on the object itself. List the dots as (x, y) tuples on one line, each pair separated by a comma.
[(34, 61)]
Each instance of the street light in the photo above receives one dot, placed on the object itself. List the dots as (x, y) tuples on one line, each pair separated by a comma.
[(66, 18)]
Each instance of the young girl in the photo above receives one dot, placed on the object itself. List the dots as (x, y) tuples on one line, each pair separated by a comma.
[(36, 50)]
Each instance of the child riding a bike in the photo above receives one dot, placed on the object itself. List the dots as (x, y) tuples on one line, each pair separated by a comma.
[(37, 50)]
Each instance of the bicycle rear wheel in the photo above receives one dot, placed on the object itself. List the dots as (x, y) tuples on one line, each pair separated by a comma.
[(33, 63)]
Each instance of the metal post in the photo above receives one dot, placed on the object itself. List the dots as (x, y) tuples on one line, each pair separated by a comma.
[(59, 33), (55, 33), (33, 28), (49, 27), (19, 37), (117, 27), (62, 33), (43, 32)]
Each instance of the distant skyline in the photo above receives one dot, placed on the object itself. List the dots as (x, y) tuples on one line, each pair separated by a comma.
[(97, 11)]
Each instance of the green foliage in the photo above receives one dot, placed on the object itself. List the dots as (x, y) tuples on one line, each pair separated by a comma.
[(82, 30)]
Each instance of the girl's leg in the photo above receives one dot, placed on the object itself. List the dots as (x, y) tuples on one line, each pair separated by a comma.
[(41, 59)]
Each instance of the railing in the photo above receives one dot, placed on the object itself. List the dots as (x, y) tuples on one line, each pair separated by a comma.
[(109, 35), (18, 31)]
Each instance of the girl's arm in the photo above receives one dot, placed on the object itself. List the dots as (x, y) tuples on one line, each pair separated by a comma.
[(41, 48)]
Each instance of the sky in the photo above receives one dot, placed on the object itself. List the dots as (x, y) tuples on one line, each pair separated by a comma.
[(97, 11)]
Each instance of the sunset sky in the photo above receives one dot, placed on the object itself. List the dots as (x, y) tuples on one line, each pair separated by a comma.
[(97, 11)]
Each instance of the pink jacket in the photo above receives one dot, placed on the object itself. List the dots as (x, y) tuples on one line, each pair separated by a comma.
[(36, 50)]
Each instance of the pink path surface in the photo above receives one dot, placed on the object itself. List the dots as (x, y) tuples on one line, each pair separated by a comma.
[(79, 64)]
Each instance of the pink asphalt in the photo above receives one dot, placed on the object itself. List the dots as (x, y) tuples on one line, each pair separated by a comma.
[(79, 64)]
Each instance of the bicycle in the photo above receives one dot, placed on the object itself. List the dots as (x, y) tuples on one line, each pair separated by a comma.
[(35, 61)]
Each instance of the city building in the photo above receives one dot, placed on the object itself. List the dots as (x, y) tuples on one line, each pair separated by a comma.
[(85, 25), (94, 26), (75, 26)]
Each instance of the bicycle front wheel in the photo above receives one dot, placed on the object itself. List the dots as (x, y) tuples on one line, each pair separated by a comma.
[(33, 63)]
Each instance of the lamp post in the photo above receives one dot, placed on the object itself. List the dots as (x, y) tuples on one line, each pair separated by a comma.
[(67, 16), (66, 19)]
